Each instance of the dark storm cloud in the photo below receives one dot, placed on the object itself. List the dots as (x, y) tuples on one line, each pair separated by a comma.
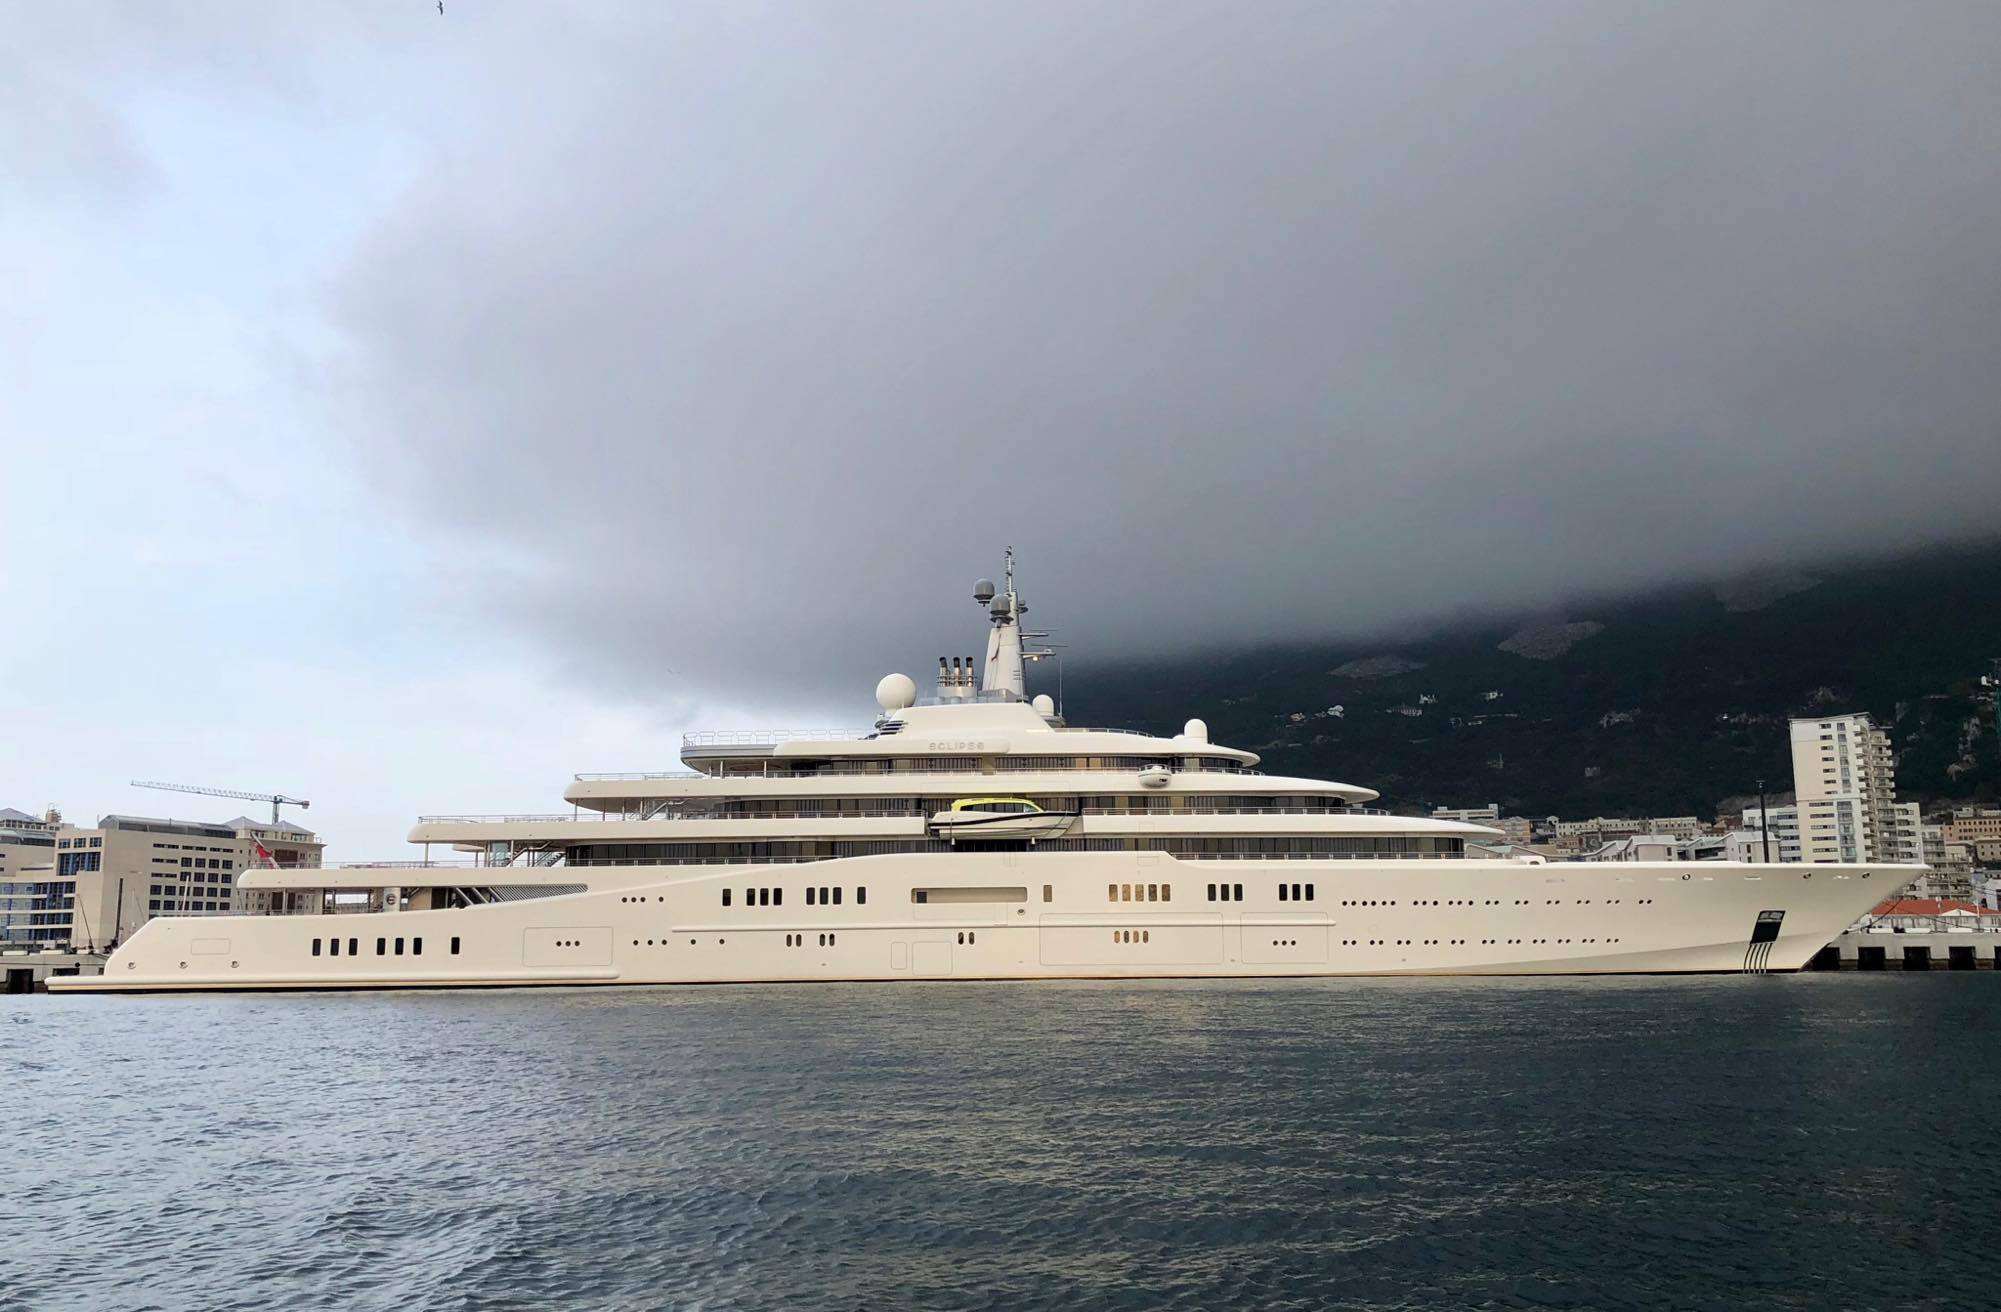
[(747, 336)]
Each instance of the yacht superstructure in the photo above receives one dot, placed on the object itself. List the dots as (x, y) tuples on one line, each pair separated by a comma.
[(977, 835)]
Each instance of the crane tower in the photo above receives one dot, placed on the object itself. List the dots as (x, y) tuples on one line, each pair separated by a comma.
[(275, 799)]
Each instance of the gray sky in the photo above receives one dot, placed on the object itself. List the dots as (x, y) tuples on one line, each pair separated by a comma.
[(558, 380)]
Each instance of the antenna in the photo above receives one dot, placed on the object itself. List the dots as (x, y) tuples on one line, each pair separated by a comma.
[(1003, 671), (275, 799)]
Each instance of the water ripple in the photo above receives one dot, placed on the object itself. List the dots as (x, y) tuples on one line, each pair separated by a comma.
[(1688, 1143)]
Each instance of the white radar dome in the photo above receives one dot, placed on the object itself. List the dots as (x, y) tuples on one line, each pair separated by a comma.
[(1195, 731), (1044, 704), (895, 692)]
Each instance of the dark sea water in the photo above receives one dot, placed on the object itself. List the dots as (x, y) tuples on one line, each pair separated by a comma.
[(1818, 1141)]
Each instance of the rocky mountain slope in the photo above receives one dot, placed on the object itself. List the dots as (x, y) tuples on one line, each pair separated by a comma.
[(1669, 703)]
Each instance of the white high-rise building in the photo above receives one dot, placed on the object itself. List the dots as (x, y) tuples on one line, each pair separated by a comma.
[(1845, 779), (1784, 822), (1951, 873), (1905, 841)]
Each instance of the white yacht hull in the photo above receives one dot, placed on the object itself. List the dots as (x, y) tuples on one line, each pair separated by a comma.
[(1028, 915)]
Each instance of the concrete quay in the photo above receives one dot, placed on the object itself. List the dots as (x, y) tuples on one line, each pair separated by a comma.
[(1911, 949), (25, 972)]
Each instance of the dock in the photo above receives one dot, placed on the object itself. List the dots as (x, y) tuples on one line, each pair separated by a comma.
[(26, 972), (1911, 949)]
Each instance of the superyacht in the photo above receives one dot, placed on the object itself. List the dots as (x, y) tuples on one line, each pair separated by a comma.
[(975, 835)]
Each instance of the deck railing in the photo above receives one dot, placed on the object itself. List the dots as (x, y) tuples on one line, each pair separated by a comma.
[(636, 776), (768, 737), (906, 814), (356, 866), (548, 818), (875, 768)]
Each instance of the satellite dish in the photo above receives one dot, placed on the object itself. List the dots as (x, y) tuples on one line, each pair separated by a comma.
[(1044, 704), (895, 692), (1195, 731), (983, 591)]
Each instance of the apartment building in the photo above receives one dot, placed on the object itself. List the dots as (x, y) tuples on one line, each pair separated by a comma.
[(1742, 845), (1784, 822), (25, 840), (1607, 826), (1490, 814), (1844, 777), (1943, 853), (107, 880), (26, 844), (1580, 838), (1952, 873), (1637, 847), (1974, 825)]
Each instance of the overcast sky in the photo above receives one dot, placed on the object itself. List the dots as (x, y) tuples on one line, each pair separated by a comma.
[(407, 410)]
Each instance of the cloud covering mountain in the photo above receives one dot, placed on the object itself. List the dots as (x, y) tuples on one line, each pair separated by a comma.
[(748, 336)]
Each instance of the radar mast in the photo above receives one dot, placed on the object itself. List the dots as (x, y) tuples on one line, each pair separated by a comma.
[(1004, 669)]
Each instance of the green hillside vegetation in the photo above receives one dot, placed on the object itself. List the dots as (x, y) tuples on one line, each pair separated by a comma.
[(1677, 704)]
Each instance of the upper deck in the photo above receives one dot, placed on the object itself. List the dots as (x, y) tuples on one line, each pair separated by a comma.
[(985, 728), (966, 738), (918, 758), (776, 786)]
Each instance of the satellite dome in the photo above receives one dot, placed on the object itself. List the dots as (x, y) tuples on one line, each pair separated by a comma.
[(983, 591), (1044, 704), (895, 692), (1195, 731)]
